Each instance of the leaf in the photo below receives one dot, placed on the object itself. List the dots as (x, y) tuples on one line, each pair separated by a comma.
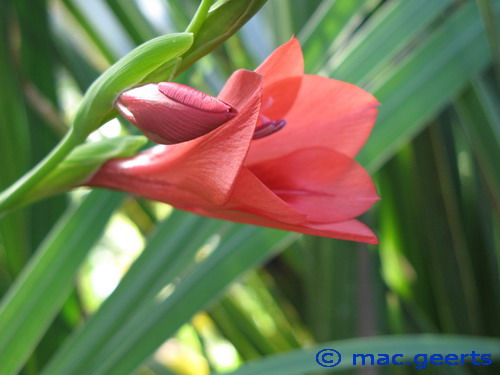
[(14, 150), (169, 252), (47, 280), (133, 21), (393, 28), (149, 329), (326, 302), (148, 318), (480, 118), (428, 79), (301, 361), (40, 90), (106, 52), (328, 27)]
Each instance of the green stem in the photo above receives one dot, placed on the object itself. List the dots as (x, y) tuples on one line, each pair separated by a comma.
[(13, 196), (199, 16)]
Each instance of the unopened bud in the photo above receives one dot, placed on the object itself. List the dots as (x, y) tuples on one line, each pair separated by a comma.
[(169, 112)]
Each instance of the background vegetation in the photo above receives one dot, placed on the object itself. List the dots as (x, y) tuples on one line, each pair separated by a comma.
[(205, 296)]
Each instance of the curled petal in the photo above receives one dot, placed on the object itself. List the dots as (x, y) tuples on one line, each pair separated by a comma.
[(282, 71), (285, 62), (275, 105)]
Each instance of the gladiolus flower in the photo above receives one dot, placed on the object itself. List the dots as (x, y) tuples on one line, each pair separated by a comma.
[(284, 161), (169, 112)]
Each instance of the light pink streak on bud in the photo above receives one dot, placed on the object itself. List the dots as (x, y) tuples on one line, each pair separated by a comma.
[(169, 112)]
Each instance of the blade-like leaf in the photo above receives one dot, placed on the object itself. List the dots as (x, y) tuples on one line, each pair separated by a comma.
[(157, 320), (330, 24), (107, 53), (480, 118), (166, 257), (48, 279), (14, 150), (133, 21), (392, 28), (303, 361), (429, 78)]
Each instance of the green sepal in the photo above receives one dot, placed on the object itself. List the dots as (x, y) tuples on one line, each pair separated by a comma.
[(164, 73), (223, 20), (153, 57), (84, 161)]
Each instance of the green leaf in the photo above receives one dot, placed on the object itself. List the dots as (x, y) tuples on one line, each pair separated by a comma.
[(45, 283), (14, 149), (427, 80), (277, 15), (373, 48), (480, 118), (164, 73), (149, 329), (40, 90), (326, 302), (304, 360), (154, 318), (133, 21), (106, 52), (328, 27), (169, 252), (490, 21)]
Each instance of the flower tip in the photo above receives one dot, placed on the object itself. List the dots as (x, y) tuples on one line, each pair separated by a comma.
[(169, 112)]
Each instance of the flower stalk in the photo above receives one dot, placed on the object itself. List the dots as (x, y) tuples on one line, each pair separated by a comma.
[(11, 197), (199, 16)]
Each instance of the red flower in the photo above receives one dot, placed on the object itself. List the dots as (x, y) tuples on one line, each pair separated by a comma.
[(301, 178)]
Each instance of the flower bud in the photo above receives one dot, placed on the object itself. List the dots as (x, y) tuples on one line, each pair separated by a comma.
[(169, 112)]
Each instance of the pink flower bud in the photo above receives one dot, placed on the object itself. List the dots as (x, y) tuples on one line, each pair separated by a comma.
[(169, 112)]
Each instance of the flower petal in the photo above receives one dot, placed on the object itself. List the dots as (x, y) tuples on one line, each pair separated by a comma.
[(251, 195), (275, 105), (323, 184), (351, 230), (326, 113), (202, 171), (282, 72), (285, 62)]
